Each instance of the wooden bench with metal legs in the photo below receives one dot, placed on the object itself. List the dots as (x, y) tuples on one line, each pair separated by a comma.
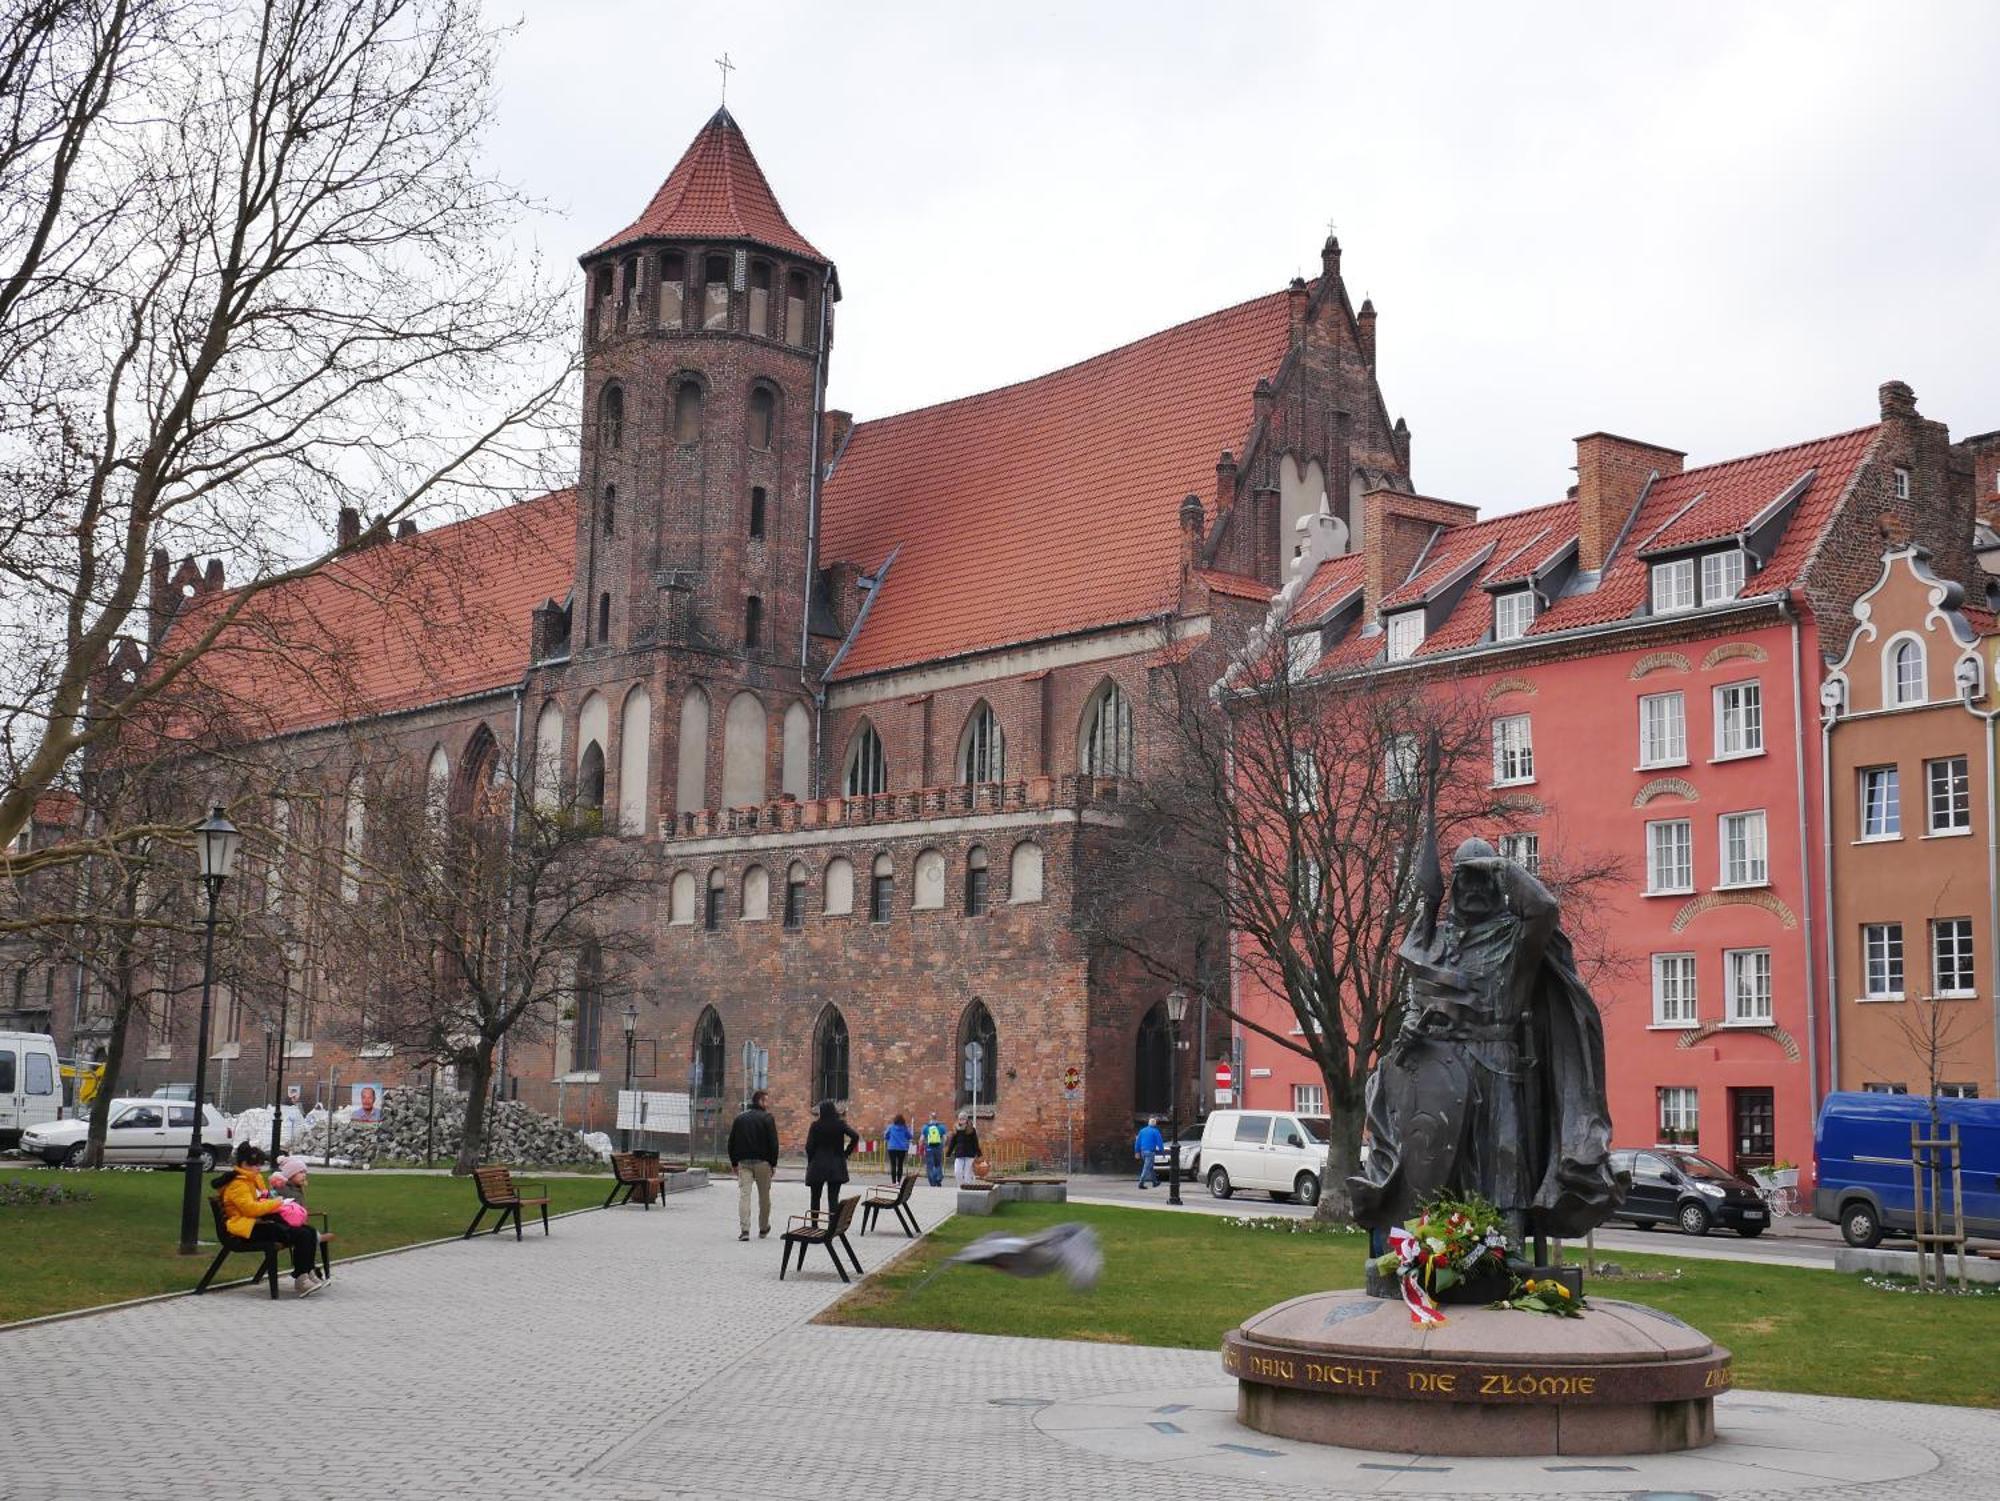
[(897, 1201), (236, 1245), (497, 1190), (806, 1230)]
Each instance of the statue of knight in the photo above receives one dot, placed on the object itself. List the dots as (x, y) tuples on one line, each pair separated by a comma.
[(1494, 1084)]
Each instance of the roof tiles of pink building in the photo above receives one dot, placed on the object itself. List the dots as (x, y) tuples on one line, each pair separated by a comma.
[(716, 192)]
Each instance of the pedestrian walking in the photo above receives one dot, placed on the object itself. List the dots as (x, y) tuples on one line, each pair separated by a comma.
[(896, 1142), (932, 1139), (753, 1157), (1146, 1143), (251, 1210), (964, 1150), (829, 1141)]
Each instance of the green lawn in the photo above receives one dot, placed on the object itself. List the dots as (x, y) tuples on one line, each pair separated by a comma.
[(122, 1243), (1186, 1279)]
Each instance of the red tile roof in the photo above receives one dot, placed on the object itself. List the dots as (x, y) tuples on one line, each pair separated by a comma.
[(716, 192), (1047, 507), (1236, 586), (406, 622)]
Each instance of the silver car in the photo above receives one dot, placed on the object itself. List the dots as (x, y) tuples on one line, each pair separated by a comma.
[(151, 1133)]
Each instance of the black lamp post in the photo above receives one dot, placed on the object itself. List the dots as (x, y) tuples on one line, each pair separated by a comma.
[(1177, 1004), (278, 1081), (631, 1019), (215, 845)]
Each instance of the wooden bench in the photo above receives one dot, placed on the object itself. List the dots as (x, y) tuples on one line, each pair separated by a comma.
[(632, 1174), (806, 1230), (497, 1190), (897, 1201), (236, 1245)]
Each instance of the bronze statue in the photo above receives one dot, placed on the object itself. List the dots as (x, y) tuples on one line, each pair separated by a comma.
[(1494, 1084)]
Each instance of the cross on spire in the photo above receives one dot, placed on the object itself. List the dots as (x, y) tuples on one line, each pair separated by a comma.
[(727, 68)]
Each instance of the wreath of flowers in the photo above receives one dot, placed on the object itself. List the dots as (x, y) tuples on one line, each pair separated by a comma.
[(1450, 1241)]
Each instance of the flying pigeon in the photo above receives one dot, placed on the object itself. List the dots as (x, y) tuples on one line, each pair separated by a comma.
[(1069, 1249)]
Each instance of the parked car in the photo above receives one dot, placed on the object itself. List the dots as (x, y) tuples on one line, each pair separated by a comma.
[(1672, 1187), (1861, 1150), (1190, 1152), (1281, 1153), (150, 1132), (30, 1094)]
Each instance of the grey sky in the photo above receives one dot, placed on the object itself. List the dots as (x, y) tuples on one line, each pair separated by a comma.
[(1717, 227)]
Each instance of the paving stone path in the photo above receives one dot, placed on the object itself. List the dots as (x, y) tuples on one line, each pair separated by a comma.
[(651, 1355)]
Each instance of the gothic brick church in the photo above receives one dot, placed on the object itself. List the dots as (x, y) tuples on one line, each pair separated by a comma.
[(869, 690)]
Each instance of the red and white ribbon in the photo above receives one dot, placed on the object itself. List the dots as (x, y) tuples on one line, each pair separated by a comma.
[(1423, 1307)]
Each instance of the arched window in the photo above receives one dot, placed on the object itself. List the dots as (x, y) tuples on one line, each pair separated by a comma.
[(608, 511), (611, 419), (1024, 873), (680, 899), (797, 750), (1152, 1063), (760, 298), (687, 412), (1105, 747), (763, 417), (711, 906), (982, 750), (590, 777), (978, 1071), (673, 283), (757, 510), (867, 771), (839, 887), (795, 308), (927, 893), (881, 889), (756, 894), (593, 733), (1906, 672), (795, 895), (635, 760), (586, 1027), (975, 881), (548, 756), (745, 750), (830, 1056), (715, 291), (437, 787), (753, 622), (711, 1055), (691, 771)]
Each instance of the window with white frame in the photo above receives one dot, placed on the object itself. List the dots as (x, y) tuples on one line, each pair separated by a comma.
[(1311, 880), (1951, 957), (1950, 788), (1958, 1091), (1679, 1123), (1746, 975), (1302, 651), (1525, 850), (1513, 749), (1905, 672), (1309, 1099), (1663, 729), (1305, 783), (1406, 633), (1746, 859), (1882, 961), (1670, 856), (1721, 576), (1902, 484), (1739, 720), (1674, 990), (1673, 586), (1513, 613), (1881, 802), (1399, 766)]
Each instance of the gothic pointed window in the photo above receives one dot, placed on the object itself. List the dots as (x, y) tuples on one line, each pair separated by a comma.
[(867, 771), (763, 417), (978, 1057), (830, 1056), (590, 777), (1152, 1062), (611, 419), (1105, 747), (711, 1055), (687, 412), (982, 752)]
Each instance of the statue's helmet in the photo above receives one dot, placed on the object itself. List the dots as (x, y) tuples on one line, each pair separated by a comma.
[(1477, 887), (1473, 849)]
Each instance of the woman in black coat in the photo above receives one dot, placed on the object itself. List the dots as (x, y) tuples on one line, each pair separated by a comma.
[(829, 1140)]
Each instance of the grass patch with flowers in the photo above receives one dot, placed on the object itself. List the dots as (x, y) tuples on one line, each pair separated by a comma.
[(1185, 1279)]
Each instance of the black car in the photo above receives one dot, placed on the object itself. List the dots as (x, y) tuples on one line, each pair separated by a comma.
[(1678, 1188)]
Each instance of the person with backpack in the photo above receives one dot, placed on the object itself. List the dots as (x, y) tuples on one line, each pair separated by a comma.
[(932, 1140), (964, 1149)]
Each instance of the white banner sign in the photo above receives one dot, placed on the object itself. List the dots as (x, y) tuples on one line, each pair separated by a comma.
[(665, 1111)]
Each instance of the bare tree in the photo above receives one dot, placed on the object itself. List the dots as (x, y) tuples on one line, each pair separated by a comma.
[(1287, 811), (252, 270)]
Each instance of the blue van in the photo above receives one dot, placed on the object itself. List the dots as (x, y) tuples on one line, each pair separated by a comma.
[(1862, 1150)]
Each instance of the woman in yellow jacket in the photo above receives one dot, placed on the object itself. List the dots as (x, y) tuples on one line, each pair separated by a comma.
[(248, 1210)]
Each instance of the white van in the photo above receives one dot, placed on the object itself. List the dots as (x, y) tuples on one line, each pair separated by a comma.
[(30, 1084), (1281, 1153)]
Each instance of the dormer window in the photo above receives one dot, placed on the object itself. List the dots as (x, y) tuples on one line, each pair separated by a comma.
[(715, 291), (1405, 630), (1673, 587), (1721, 576), (1513, 613)]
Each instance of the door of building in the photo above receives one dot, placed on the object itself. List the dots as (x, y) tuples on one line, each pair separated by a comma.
[(1753, 1137)]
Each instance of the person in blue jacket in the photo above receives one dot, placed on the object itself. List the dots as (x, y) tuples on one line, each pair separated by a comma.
[(1146, 1144), (896, 1143)]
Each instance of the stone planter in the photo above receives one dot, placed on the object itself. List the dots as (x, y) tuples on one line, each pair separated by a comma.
[(978, 1200)]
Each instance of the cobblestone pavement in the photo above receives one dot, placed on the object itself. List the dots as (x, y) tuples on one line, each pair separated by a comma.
[(650, 1355)]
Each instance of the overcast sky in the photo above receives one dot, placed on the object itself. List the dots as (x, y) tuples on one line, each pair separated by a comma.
[(1718, 227)]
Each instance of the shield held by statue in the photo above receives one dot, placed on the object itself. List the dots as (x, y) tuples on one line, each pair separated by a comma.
[(1424, 1097)]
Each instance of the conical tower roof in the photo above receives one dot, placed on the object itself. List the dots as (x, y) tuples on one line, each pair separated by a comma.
[(716, 192)]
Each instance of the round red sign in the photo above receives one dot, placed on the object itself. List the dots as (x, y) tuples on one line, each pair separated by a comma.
[(1222, 1076)]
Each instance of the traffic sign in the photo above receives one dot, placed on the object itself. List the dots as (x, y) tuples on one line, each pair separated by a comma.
[(1223, 1077), (1072, 1079)]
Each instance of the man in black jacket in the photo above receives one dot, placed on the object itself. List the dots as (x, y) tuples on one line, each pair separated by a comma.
[(753, 1154)]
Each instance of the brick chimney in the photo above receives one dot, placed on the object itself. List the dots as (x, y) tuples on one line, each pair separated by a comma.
[(1395, 529), (1192, 528), (1611, 474), (1984, 451), (1366, 320), (1225, 482), (349, 531)]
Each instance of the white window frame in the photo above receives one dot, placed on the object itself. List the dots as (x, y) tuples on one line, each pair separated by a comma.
[(1670, 749), (1308, 1099), (1723, 575), (1902, 483), (1676, 991), (1953, 976), (1880, 789), (1896, 692), (1756, 838), (1400, 769), (1679, 1109), (1513, 750), (1673, 585), (1739, 716), (1684, 866), (1403, 633), (1525, 850), (1957, 795), (1303, 784), (1739, 964), (1883, 974), (1513, 614)]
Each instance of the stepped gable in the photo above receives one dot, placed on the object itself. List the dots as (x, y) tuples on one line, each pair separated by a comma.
[(1047, 507), (716, 192), (404, 622)]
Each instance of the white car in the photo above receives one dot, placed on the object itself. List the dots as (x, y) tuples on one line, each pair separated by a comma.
[(151, 1133), (1281, 1153)]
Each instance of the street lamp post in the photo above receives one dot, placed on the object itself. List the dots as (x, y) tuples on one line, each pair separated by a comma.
[(215, 845), (278, 1083), (1177, 1004), (631, 1031)]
